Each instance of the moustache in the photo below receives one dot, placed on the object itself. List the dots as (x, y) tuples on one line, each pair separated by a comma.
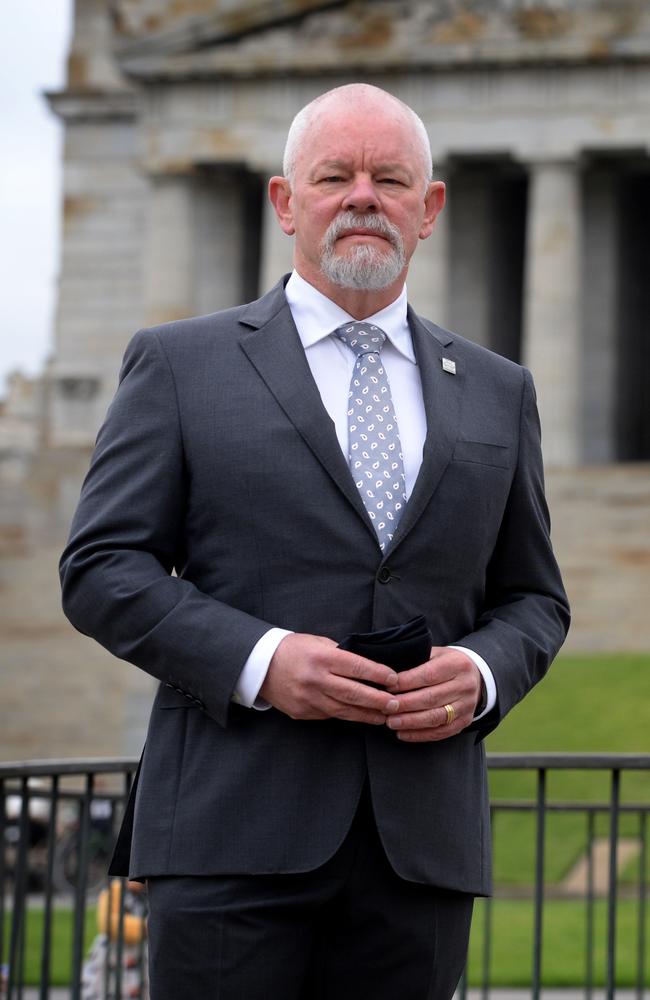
[(350, 221)]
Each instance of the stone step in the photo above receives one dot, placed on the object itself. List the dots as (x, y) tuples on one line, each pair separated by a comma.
[(601, 534)]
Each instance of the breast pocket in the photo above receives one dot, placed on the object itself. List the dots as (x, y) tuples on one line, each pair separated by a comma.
[(482, 453)]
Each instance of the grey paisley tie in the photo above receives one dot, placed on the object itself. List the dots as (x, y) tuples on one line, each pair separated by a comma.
[(375, 451)]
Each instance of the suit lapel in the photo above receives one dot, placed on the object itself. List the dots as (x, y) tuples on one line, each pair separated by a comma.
[(442, 393), (273, 347)]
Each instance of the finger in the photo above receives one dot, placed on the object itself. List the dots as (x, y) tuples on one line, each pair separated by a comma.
[(431, 719), (358, 668), (443, 665), (410, 680), (454, 712), (427, 698), (349, 713), (360, 696), (429, 735), (426, 675)]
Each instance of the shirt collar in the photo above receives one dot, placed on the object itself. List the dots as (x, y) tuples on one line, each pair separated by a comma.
[(316, 316)]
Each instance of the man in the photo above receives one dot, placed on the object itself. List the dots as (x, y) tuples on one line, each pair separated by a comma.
[(311, 823)]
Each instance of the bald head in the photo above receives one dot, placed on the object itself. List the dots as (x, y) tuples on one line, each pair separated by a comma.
[(342, 99)]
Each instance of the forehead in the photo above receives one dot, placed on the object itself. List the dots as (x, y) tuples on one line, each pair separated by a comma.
[(366, 131)]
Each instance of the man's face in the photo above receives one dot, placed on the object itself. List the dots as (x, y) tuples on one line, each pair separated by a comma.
[(360, 198)]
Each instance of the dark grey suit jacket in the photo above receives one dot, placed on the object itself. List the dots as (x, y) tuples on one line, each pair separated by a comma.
[(218, 460)]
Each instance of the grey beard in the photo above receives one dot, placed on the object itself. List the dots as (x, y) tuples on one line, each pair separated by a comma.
[(365, 268)]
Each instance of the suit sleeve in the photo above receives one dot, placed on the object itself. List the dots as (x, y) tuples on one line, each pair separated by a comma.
[(526, 612), (126, 537)]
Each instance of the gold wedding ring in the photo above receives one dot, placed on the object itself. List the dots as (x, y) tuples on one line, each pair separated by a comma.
[(451, 714)]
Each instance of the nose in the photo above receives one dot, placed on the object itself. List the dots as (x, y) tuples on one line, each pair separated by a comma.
[(361, 195)]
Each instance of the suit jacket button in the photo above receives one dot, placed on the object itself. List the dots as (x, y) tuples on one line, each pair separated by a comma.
[(384, 574)]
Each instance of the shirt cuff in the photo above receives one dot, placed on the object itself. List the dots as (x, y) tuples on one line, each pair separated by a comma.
[(254, 670), (488, 679)]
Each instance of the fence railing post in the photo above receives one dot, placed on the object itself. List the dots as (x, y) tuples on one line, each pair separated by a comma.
[(612, 889), (589, 929), (17, 936), (538, 926), (46, 949), (643, 891)]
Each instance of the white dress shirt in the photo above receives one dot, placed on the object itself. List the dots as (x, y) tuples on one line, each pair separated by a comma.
[(331, 363)]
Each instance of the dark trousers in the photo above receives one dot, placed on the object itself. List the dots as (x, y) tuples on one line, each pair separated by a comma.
[(349, 930)]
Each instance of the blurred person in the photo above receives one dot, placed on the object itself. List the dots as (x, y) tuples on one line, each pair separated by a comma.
[(121, 937)]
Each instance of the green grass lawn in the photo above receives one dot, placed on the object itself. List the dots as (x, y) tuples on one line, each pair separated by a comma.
[(585, 704), (61, 949), (563, 943)]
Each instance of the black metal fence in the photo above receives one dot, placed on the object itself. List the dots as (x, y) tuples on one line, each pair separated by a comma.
[(58, 822), (583, 885), (623, 781)]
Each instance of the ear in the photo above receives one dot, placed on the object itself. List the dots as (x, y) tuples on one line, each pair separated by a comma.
[(434, 200), (280, 198)]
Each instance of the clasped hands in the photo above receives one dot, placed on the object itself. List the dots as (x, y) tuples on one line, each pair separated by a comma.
[(309, 677)]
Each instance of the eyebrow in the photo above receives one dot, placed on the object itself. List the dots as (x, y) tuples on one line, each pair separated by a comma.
[(390, 168), (394, 168), (331, 165)]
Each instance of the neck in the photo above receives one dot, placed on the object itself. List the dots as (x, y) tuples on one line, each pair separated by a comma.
[(358, 303)]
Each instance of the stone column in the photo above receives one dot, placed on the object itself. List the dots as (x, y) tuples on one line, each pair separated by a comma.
[(168, 252), (601, 281), (552, 291), (428, 277), (276, 257)]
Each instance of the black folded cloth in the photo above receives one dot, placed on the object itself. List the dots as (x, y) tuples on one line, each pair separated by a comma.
[(400, 646)]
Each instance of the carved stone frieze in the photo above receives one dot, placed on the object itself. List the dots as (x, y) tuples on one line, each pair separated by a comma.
[(174, 20), (200, 37)]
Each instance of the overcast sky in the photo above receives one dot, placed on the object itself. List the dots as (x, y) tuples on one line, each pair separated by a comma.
[(34, 38)]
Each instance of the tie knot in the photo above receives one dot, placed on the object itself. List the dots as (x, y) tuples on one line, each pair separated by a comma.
[(361, 338)]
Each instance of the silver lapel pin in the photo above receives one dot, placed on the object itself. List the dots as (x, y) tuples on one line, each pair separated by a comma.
[(449, 366)]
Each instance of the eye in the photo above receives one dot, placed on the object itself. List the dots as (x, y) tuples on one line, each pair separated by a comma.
[(389, 180)]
